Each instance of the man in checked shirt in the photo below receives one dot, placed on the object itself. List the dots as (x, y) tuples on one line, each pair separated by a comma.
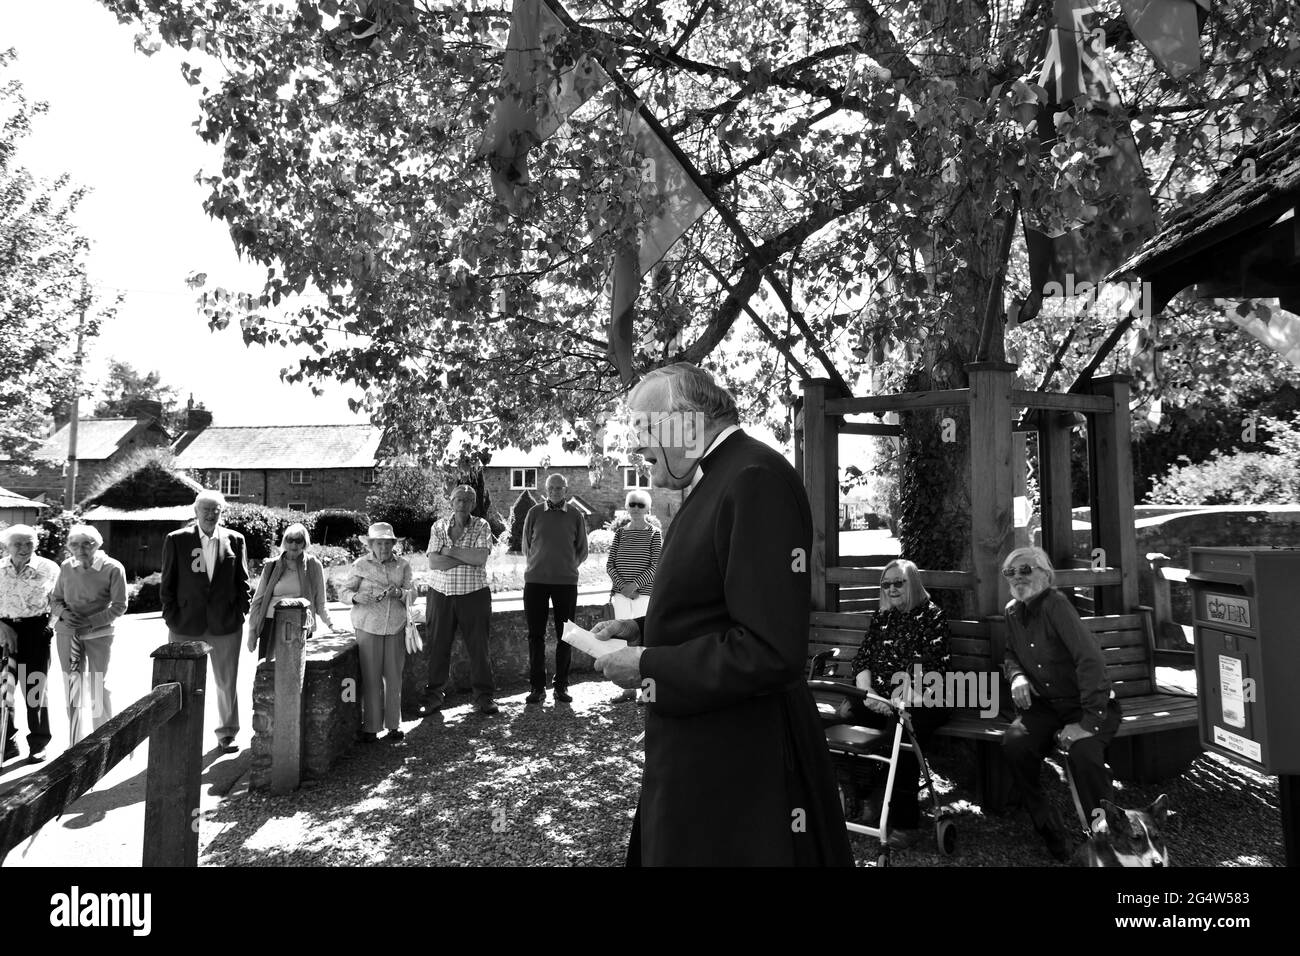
[(1060, 688), (459, 546)]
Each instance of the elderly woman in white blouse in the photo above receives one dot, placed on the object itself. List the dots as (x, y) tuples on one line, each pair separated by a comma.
[(88, 598)]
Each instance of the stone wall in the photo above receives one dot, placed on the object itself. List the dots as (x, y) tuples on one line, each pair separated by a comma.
[(332, 688), (331, 708), (1175, 533)]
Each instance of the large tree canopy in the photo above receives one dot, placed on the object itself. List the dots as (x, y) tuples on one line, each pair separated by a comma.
[(874, 156), (42, 283)]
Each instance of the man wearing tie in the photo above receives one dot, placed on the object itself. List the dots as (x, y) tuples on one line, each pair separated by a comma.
[(205, 597)]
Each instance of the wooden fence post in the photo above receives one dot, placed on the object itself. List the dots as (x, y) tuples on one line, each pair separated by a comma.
[(172, 782), (292, 625)]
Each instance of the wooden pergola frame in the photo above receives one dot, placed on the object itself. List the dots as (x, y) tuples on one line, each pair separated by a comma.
[(991, 401)]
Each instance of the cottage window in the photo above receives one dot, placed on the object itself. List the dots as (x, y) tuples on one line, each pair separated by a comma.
[(228, 483), (297, 506), (367, 476), (300, 477), (523, 478), (634, 477)]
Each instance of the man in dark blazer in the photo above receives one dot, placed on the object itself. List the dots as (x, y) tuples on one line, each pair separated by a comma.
[(205, 597), (737, 771)]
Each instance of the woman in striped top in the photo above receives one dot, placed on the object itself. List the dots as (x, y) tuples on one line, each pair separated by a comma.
[(633, 559)]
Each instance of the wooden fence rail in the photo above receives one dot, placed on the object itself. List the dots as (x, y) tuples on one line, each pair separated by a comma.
[(171, 717)]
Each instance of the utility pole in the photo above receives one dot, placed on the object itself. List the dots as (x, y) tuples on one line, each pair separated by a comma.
[(70, 489)]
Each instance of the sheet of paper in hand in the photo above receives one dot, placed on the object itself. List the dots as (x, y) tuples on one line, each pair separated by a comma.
[(588, 643)]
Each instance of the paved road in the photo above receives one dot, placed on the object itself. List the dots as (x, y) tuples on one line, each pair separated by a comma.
[(105, 827)]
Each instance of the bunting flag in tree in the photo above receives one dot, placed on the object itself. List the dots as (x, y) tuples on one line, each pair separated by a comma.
[(1074, 68), (671, 202), (543, 81), (1268, 321), (1170, 29)]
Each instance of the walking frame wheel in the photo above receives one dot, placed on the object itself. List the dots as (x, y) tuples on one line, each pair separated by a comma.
[(945, 835)]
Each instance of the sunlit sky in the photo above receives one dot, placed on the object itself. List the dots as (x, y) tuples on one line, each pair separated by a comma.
[(120, 123)]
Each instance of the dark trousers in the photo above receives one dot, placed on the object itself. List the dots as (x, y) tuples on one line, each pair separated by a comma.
[(905, 806), (537, 597), (471, 613), (1032, 736), (30, 666)]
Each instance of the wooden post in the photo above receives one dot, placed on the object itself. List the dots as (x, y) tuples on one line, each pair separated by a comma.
[(1054, 486), (821, 474), (797, 434), (1111, 454), (172, 783), (1019, 492), (992, 521), (292, 625), (1162, 605)]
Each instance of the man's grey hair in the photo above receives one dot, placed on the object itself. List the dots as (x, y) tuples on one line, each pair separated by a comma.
[(19, 532), (1035, 556), (692, 389), (86, 531), (207, 494), (556, 474), (459, 488)]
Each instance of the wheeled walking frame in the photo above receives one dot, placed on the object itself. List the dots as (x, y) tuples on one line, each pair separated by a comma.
[(856, 751)]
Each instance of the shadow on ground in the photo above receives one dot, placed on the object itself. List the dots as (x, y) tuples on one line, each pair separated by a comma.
[(557, 786)]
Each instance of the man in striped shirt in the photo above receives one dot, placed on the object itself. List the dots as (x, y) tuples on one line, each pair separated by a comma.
[(459, 546)]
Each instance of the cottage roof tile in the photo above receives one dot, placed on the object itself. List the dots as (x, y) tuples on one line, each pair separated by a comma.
[(283, 446)]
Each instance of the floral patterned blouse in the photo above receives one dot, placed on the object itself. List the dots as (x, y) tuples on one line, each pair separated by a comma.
[(898, 640)]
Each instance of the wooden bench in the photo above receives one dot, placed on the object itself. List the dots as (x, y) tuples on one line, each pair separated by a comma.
[(1157, 737)]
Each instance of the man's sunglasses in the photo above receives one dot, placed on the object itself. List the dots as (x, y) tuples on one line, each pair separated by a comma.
[(1024, 571), (636, 506)]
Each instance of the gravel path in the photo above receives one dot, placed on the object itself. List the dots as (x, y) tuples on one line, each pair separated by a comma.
[(557, 786)]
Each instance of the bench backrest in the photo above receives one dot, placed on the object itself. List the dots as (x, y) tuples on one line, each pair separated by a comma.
[(1125, 641)]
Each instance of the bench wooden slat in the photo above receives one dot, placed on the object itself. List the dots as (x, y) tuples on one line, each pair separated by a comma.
[(1131, 688), (841, 620), (959, 662), (1114, 622), (1124, 655), (972, 646)]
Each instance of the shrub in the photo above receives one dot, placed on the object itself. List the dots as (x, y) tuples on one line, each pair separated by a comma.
[(523, 504), (598, 542), (407, 498), (145, 594), (53, 534), (260, 526), (331, 555), (335, 526), (1239, 477)]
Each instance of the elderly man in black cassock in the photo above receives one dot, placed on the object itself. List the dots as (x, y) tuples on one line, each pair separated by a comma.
[(736, 766)]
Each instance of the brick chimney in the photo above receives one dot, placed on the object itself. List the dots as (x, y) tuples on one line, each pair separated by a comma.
[(144, 408), (197, 419)]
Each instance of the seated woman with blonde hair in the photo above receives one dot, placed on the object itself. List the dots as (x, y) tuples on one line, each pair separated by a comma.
[(293, 574), (907, 631)]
